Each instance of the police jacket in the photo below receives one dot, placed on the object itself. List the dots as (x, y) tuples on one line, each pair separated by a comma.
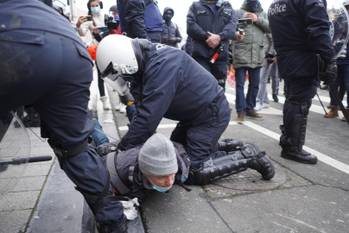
[(29, 20), (300, 30), (249, 52), (201, 19), (126, 177), (132, 18), (169, 84), (139, 16)]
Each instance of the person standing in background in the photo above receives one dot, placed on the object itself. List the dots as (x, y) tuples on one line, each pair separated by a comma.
[(170, 33), (210, 25), (248, 56)]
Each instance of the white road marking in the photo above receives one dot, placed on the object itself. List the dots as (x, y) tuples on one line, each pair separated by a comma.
[(321, 157), (302, 223), (314, 108)]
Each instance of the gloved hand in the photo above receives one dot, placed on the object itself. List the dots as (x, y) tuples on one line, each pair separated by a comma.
[(106, 148), (327, 70), (331, 70), (131, 111)]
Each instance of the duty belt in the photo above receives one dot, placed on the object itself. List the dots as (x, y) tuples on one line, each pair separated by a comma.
[(69, 152)]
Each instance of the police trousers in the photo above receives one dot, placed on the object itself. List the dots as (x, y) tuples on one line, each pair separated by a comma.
[(200, 136)]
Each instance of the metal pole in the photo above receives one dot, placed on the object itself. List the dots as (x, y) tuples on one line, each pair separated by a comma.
[(321, 103)]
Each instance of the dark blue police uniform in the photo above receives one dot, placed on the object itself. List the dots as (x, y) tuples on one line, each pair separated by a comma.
[(171, 84), (300, 30), (44, 63), (140, 19), (204, 17)]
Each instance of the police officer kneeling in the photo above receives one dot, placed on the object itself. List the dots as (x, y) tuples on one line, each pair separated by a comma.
[(166, 82), (300, 30), (158, 164)]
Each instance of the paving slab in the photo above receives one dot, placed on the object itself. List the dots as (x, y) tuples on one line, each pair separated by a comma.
[(19, 200), (250, 181), (180, 211), (301, 209), (60, 206), (14, 221)]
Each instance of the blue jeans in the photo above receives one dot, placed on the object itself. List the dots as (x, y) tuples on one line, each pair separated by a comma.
[(339, 86), (98, 134), (268, 70), (243, 104)]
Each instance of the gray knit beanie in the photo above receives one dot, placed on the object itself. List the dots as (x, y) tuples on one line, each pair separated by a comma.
[(157, 156)]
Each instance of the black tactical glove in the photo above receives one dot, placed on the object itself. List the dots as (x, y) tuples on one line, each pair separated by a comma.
[(106, 148), (331, 70), (327, 70)]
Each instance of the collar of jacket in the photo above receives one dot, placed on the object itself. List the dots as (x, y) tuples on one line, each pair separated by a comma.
[(141, 48), (244, 7)]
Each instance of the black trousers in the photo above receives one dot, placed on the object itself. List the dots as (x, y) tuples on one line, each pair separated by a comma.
[(200, 136), (218, 69)]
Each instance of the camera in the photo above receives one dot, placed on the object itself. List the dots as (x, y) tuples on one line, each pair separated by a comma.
[(111, 23)]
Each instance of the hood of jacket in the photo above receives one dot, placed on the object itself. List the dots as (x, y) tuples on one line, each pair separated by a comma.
[(168, 9), (245, 7)]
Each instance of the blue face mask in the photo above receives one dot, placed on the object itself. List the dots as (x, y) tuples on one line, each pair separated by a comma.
[(95, 10), (117, 18), (161, 189)]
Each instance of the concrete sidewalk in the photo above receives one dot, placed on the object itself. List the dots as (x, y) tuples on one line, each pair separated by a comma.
[(21, 185)]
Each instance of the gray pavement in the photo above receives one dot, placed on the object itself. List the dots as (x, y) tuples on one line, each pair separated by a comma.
[(300, 198), (20, 186)]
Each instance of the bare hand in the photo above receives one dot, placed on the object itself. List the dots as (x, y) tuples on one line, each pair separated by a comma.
[(213, 40), (250, 15), (81, 20), (95, 30)]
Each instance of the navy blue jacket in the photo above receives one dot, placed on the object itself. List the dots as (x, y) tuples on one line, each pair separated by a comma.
[(139, 16), (300, 30), (201, 19), (178, 90), (30, 19)]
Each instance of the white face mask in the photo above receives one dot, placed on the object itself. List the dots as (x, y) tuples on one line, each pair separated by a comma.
[(95, 10)]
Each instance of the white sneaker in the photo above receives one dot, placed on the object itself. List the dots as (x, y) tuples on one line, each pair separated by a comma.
[(265, 105), (258, 107), (122, 108), (104, 102)]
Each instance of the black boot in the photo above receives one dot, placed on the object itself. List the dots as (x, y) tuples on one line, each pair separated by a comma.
[(293, 133), (222, 164), (259, 161), (229, 144)]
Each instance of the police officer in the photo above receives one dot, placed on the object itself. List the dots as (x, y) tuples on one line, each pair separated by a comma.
[(166, 82), (140, 19), (211, 24), (170, 33), (44, 64), (300, 30)]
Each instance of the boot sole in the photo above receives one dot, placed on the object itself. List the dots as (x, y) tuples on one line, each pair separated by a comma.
[(288, 157)]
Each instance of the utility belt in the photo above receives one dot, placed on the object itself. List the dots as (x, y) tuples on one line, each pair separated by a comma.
[(68, 152)]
